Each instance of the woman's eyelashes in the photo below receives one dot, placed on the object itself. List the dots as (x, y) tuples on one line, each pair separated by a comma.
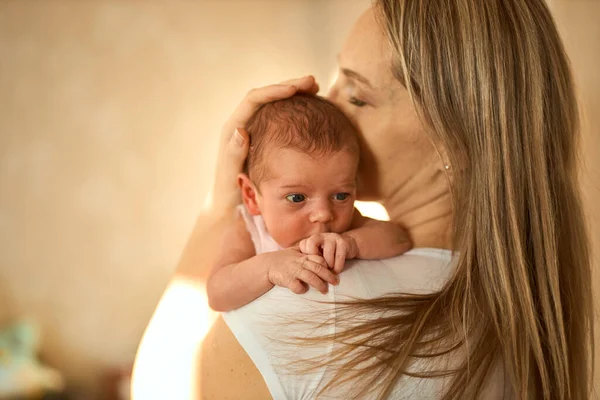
[(357, 102), (353, 98)]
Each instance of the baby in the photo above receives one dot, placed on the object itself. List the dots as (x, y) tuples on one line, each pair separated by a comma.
[(298, 223)]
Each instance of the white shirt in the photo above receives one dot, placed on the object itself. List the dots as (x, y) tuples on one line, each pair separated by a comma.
[(265, 328)]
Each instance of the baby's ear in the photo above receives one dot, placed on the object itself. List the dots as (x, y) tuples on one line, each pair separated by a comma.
[(249, 194)]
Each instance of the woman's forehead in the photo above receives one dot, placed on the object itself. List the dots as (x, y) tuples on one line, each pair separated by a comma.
[(367, 51)]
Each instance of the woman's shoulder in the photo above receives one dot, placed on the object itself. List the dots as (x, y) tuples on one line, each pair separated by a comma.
[(421, 270)]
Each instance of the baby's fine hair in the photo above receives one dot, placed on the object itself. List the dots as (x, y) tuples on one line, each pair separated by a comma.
[(306, 123)]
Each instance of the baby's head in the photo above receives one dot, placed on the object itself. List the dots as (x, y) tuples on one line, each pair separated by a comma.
[(301, 168)]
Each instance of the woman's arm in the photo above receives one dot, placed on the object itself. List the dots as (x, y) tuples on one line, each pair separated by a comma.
[(166, 363)]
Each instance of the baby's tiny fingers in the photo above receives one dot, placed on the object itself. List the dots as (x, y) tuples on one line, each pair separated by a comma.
[(340, 258), (312, 245), (297, 287), (329, 249), (302, 246), (313, 280), (318, 266), (315, 259)]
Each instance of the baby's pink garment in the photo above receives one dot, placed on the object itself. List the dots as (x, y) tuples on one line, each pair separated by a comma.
[(263, 242)]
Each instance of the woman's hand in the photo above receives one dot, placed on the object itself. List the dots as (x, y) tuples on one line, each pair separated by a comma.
[(234, 142)]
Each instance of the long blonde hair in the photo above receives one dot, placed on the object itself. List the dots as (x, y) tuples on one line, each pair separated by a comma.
[(491, 79)]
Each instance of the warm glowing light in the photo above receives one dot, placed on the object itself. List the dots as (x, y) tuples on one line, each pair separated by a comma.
[(372, 209), (208, 201), (333, 78), (165, 363)]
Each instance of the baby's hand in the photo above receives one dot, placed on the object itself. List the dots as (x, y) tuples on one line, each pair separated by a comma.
[(335, 248), (289, 268)]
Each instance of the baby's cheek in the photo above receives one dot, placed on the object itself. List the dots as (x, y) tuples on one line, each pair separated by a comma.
[(288, 239), (287, 232), (344, 220)]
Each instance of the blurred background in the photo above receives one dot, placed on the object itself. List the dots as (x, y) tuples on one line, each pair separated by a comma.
[(109, 118)]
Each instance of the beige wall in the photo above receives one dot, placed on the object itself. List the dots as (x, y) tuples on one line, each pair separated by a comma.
[(109, 113)]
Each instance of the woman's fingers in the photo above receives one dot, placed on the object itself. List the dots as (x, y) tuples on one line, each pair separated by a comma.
[(234, 141), (235, 153), (259, 96), (252, 102), (306, 84)]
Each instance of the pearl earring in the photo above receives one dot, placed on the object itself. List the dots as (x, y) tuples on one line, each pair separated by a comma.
[(447, 166)]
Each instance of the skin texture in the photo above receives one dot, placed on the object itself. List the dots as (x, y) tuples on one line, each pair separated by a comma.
[(400, 167), (315, 182)]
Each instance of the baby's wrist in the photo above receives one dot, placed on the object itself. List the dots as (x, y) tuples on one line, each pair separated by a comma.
[(267, 267), (353, 249)]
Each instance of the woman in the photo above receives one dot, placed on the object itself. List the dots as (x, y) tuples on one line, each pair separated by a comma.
[(469, 131)]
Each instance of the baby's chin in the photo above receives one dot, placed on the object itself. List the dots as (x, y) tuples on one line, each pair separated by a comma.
[(289, 244)]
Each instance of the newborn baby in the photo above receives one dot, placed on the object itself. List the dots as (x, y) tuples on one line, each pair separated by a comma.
[(298, 224)]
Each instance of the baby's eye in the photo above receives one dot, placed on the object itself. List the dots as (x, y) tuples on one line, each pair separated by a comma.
[(341, 196), (295, 198)]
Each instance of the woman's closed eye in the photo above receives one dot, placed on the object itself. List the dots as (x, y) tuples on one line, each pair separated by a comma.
[(295, 198), (353, 97), (356, 102)]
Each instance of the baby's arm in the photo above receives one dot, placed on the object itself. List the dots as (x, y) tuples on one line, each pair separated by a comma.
[(367, 239), (234, 281), (240, 276), (377, 239)]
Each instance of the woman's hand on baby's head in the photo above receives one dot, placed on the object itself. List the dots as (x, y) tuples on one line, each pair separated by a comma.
[(334, 247), (294, 270), (235, 142)]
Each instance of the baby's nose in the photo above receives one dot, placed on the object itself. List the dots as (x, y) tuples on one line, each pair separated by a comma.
[(322, 213)]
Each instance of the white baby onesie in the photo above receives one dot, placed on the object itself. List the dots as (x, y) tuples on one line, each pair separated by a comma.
[(263, 242)]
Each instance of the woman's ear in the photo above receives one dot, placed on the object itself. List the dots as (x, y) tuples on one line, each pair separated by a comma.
[(249, 194)]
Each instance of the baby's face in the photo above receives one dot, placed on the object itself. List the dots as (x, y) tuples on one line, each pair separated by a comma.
[(305, 195)]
